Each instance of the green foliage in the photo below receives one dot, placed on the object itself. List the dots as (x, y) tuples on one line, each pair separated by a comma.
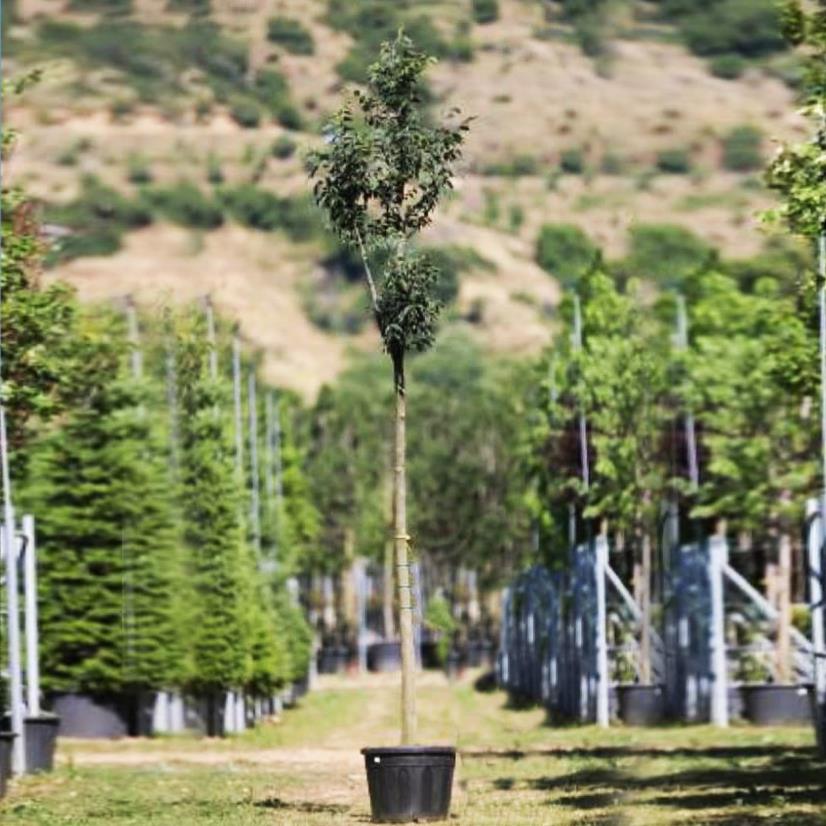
[(727, 66), (97, 219), (438, 618), (373, 22), (245, 112), (565, 251), (283, 147), (750, 28), (194, 7), (154, 60), (291, 34), (38, 362), (485, 11), (572, 161), (515, 167), (665, 253), (113, 7), (138, 171), (108, 556), (261, 209), (217, 561), (380, 178), (797, 172), (185, 204), (674, 161), (742, 149)]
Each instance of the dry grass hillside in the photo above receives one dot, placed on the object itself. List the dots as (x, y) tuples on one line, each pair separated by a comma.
[(535, 97)]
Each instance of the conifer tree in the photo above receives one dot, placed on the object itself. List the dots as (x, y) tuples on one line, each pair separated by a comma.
[(106, 537), (216, 565)]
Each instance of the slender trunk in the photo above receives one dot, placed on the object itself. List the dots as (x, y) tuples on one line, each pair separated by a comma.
[(402, 564), (784, 607), (387, 579), (645, 609)]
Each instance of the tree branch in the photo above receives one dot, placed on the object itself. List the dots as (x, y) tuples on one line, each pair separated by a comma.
[(371, 284)]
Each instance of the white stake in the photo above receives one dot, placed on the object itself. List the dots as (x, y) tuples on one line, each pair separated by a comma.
[(10, 546), (717, 560), (32, 640), (236, 399), (601, 560), (583, 425), (255, 504), (690, 432)]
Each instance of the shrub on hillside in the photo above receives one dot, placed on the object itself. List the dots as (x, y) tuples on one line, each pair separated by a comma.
[(283, 147), (674, 161), (572, 161), (742, 149), (565, 251), (195, 7), (185, 204), (485, 11), (665, 253), (114, 7), (290, 34), (138, 170), (727, 66), (261, 209), (750, 28), (245, 113)]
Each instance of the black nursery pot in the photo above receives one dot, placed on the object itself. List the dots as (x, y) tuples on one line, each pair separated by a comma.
[(767, 704), (384, 656), (40, 741), (641, 705), (6, 740), (410, 783)]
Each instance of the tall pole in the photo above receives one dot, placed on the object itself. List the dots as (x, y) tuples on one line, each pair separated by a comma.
[(583, 425), (211, 337), (255, 498), (236, 400), (171, 368), (9, 542), (690, 431), (601, 560), (818, 588), (32, 640), (718, 558)]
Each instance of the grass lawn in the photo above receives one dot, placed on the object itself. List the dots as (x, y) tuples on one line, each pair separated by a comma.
[(513, 770)]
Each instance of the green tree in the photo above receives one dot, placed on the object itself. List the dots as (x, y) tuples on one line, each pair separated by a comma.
[(217, 561), (379, 180), (108, 564)]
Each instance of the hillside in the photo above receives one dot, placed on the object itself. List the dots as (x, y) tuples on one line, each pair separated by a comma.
[(147, 94)]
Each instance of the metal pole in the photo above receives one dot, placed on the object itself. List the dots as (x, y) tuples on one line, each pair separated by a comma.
[(690, 431), (32, 641), (255, 499), (172, 403), (134, 338), (236, 398), (211, 337), (816, 595), (717, 560), (601, 561), (583, 425), (10, 544)]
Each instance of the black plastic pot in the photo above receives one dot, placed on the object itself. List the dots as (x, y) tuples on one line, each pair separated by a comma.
[(777, 705), (384, 656), (327, 660), (88, 716), (453, 664), (342, 655), (474, 653), (6, 740), (410, 783), (41, 740), (641, 705), (430, 654)]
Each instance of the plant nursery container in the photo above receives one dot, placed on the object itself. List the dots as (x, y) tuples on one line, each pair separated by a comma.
[(430, 654), (453, 664), (41, 741), (770, 704), (6, 740), (641, 705), (327, 660), (384, 656), (410, 783), (91, 716)]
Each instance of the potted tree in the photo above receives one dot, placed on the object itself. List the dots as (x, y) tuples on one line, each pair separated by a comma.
[(379, 179)]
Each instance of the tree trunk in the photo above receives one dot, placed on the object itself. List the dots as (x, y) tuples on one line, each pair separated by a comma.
[(402, 564), (784, 607), (387, 579), (645, 609)]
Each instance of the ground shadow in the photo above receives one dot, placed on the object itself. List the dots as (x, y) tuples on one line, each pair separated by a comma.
[(790, 782), (306, 807), (613, 752)]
